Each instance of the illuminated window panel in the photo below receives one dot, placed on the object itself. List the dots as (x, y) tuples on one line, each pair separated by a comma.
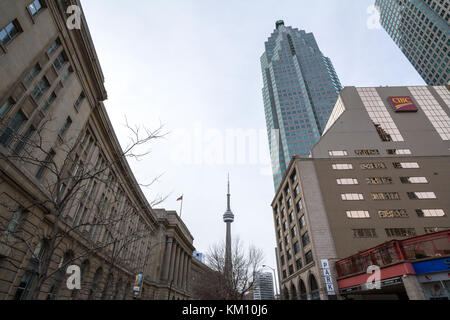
[(399, 152), (379, 114), (444, 93), (406, 165), (421, 195), (433, 110), (386, 196), (372, 166), (358, 214), (343, 166), (338, 153), (435, 229), (413, 180), (352, 196), (379, 180), (348, 181), (425, 213)]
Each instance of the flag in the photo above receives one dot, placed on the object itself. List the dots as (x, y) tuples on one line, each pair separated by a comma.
[(180, 198)]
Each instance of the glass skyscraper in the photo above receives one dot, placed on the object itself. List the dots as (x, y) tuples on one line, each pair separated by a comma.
[(300, 90), (422, 32)]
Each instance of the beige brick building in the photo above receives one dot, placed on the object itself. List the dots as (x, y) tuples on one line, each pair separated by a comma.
[(377, 174), (54, 132)]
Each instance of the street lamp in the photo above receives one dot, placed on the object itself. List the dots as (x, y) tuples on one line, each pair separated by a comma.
[(138, 295), (275, 278)]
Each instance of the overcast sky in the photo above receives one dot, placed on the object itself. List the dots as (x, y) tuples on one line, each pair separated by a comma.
[(194, 66)]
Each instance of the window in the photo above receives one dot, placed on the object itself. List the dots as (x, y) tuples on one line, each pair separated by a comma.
[(12, 129), (386, 196), (337, 153), (401, 232), (15, 221), (59, 61), (296, 248), (79, 101), (32, 74), (309, 257), (291, 269), (286, 240), (393, 213), (299, 205), (288, 253), (425, 213), (421, 195), (46, 163), (55, 45), (367, 152), (372, 166), (6, 106), (399, 152), (282, 260), (352, 196), (35, 7), (284, 225), (26, 137), (348, 181), (364, 233), (65, 127), (358, 214), (342, 167), (298, 264), (302, 222), (8, 33), (406, 165), (297, 190), (284, 274), (49, 102), (379, 180), (305, 239), (413, 180), (435, 229), (289, 203), (40, 89), (65, 75), (294, 232)]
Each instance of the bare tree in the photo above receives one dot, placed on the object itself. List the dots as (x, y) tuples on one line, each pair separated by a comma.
[(244, 265), (67, 188)]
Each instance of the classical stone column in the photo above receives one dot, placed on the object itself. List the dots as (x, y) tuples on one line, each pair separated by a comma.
[(172, 261), (177, 266), (167, 256), (189, 280), (185, 276), (181, 268)]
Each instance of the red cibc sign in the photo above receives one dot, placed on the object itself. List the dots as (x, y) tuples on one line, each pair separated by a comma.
[(403, 104)]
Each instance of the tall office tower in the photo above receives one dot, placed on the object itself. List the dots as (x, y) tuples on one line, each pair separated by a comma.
[(300, 90), (422, 32), (263, 286), (228, 218)]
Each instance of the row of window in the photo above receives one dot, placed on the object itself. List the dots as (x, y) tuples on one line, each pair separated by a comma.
[(389, 196), (382, 180), (376, 165), (374, 152), (396, 213), (393, 232)]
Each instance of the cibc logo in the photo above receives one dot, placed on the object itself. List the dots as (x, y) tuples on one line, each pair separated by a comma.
[(403, 104)]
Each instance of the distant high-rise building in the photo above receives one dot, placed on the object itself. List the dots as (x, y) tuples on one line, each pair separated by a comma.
[(199, 256), (422, 32), (263, 286), (300, 91)]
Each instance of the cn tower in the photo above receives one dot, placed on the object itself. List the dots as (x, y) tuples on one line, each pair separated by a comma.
[(228, 218)]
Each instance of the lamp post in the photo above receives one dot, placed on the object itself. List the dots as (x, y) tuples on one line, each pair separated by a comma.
[(275, 278), (138, 296)]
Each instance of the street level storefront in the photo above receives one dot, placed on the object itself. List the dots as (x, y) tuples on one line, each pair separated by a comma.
[(415, 269)]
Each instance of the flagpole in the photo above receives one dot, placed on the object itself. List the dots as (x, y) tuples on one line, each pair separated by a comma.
[(181, 208)]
